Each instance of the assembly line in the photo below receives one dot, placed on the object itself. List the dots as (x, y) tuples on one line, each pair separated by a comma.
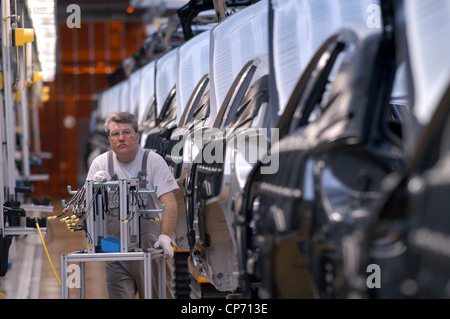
[(290, 150)]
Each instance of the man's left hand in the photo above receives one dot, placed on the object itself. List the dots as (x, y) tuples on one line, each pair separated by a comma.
[(165, 242)]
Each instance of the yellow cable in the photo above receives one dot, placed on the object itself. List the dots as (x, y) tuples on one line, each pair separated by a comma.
[(17, 48), (46, 252)]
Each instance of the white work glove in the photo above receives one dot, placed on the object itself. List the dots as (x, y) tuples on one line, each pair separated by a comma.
[(165, 242), (101, 176)]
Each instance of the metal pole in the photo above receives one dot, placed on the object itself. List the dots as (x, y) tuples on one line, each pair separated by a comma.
[(90, 227), (148, 275), (123, 205), (35, 117), (64, 287), (161, 278), (24, 121), (82, 289), (2, 197), (220, 8), (9, 118)]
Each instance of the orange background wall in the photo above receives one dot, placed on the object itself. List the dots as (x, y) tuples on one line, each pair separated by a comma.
[(85, 57)]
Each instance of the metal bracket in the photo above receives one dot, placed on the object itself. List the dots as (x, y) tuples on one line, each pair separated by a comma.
[(71, 192), (144, 211)]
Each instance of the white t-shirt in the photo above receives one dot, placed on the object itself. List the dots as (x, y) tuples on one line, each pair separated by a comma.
[(158, 172)]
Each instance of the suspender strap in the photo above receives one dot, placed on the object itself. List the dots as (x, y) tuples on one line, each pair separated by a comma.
[(111, 166), (143, 173), (144, 162)]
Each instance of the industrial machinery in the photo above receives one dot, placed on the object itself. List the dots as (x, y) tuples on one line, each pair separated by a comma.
[(21, 92)]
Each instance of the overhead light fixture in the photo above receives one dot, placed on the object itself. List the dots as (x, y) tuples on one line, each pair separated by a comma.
[(42, 15)]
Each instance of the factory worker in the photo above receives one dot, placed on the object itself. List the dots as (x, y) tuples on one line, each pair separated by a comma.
[(127, 160)]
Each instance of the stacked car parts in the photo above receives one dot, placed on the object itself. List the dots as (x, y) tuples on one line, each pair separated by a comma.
[(293, 129)]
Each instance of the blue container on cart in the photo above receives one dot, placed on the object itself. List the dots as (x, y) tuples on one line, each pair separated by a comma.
[(110, 245)]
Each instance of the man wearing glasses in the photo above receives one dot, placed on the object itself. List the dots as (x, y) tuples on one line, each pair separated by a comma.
[(128, 160)]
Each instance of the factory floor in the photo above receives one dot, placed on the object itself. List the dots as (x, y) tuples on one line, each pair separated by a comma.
[(30, 275)]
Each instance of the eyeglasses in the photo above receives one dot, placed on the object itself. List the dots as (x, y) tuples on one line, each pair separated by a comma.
[(125, 133)]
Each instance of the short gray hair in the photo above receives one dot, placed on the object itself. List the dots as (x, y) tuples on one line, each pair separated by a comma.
[(121, 117)]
